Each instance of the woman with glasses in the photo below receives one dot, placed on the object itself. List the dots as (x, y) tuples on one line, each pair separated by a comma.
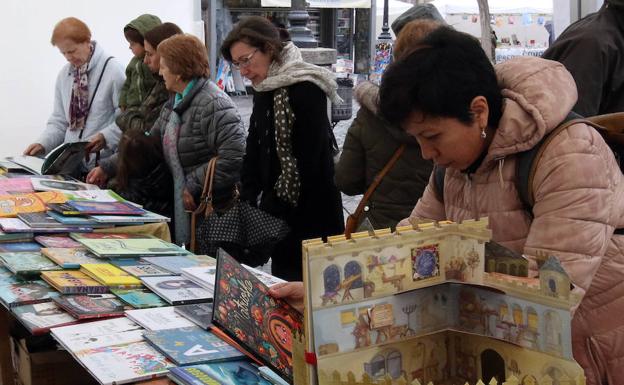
[(288, 166)]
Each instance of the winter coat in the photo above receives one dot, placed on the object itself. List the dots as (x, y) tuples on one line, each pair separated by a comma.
[(103, 110), (319, 209), (368, 146), (139, 78), (591, 49), (210, 126), (142, 118), (579, 202)]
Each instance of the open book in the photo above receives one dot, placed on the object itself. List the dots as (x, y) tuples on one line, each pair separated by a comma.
[(64, 159)]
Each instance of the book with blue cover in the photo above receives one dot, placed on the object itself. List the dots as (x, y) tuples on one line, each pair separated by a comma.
[(27, 292), (224, 373), (20, 246), (105, 208), (191, 345), (139, 298), (27, 263)]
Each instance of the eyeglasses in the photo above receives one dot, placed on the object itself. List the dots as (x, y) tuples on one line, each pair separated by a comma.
[(245, 61)]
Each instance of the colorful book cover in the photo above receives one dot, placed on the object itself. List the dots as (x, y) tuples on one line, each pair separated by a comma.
[(173, 264), (70, 258), (19, 246), (73, 282), (160, 318), (120, 364), (15, 237), (105, 208), (139, 298), (7, 277), (27, 263), (224, 373), (262, 324), (40, 317), (84, 306), (198, 313), (191, 345), (56, 241), (177, 290), (11, 205), (128, 247), (28, 292), (138, 268), (93, 335), (63, 209), (16, 185), (73, 220), (16, 225), (45, 184), (38, 220), (110, 275), (94, 195)]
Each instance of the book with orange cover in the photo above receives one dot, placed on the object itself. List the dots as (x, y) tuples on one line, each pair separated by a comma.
[(11, 205)]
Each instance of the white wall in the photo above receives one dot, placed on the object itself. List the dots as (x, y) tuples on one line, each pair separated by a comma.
[(29, 63)]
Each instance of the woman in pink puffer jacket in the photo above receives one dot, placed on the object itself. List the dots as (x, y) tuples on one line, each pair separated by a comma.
[(474, 120)]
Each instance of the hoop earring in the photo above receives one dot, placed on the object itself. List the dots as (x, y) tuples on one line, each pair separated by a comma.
[(483, 133)]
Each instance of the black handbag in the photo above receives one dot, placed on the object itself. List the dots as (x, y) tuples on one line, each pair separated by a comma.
[(244, 231)]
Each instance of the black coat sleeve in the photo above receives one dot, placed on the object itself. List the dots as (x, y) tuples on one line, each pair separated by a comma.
[(250, 174)]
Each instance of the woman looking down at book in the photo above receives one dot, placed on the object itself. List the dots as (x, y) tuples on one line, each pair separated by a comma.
[(288, 160), (86, 94)]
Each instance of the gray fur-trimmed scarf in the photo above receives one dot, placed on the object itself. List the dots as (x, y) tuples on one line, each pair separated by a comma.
[(291, 70)]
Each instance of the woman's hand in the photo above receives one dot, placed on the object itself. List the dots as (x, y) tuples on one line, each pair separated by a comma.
[(34, 149), (97, 176), (97, 143), (291, 292), (189, 202)]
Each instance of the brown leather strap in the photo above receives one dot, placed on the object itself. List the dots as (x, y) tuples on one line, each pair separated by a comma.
[(205, 202), (377, 180)]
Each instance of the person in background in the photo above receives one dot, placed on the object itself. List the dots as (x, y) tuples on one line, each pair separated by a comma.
[(288, 169), (86, 94), (371, 142), (139, 79), (591, 49)]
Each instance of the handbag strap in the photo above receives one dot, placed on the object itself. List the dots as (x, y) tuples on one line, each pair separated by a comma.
[(377, 180), (206, 196), (95, 92)]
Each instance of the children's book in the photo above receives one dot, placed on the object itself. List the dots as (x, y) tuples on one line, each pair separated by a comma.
[(16, 225), (105, 208), (139, 298), (177, 290), (160, 318), (44, 184), (16, 186), (129, 247), (226, 373), (74, 220), (63, 209), (70, 258), (40, 317), (191, 345), (93, 335), (56, 241), (94, 196), (19, 246), (27, 292), (110, 275), (11, 205), (27, 263), (84, 306), (139, 269), (198, 313), (38, 220), (245, 311), (73, 282), (15, 237), (175, 264)]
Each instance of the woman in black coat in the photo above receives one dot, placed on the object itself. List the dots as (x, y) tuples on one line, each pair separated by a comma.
[(288, 166)]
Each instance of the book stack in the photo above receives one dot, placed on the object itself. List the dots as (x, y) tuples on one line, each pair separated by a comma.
[(111, 245), (40, 317), (111, 276), (91, 306), (73, 282)]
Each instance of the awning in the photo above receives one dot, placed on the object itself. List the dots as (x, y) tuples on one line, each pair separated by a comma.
[(321, 3)]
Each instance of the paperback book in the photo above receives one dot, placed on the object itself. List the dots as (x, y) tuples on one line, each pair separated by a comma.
[(191, 345), (198, 313), (16, 225), (245, 311), (25, 293), (73, 282), (15, 237), (177, 290), (138, 268), (19, 246), (139, 298), (160, 318), (93, 335), (70, 258), (11, 205), (74, 220), (45, 184), (175, 264), (40, 317), (63, 209), (94, 196), (111, 276), (15, 186), (129, 247), (27, 263), (105, 208), (56, 241), (84, 306), (40, 219)]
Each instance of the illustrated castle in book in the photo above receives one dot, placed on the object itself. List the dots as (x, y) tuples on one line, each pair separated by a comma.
[(422, 305)]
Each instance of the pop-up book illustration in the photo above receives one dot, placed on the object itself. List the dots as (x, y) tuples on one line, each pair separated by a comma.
[(421, 306)]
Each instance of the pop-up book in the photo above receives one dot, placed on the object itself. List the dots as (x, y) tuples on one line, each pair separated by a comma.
[(420, 306)]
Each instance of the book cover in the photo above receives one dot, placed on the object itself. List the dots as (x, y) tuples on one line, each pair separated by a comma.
[(19, 246), (15, 186), (27, 263), (138, 268), (128, 247), (198, 313), (73, 282), (139, 298), (110, 275), (11, 205), (160, 318), (29, 163), (147, 217), (16, 225), (70, 258), (94, 195), (15, 237), (40, 219), (92, 335), (83, 306), (224, 373), (177, 290), (63, 209), (74, 220), (105, 208), (7, 277), (27, 292), (81, 236), (64, 159), (120, 364), (191, 345), (44, 184), (262, 324), (173, 264), (40, 317), (56, 241)]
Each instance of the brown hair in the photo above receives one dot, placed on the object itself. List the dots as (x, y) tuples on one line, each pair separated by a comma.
[(139, 153), (259, 33), (185, 55), (71, 28), (157, 34), (133, 36), (412, 35)]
